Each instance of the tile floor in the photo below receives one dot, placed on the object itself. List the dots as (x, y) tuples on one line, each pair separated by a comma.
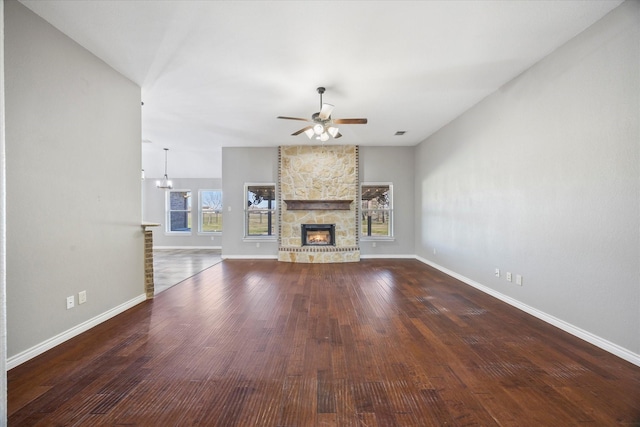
[(172, 266)]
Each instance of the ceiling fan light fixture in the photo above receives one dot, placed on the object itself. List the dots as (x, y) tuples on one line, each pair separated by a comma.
[(309, 132), (165, 183), (325, 111), (322, 126)]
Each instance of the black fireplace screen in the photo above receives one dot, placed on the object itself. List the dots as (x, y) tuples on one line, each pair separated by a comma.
[(318, 234)]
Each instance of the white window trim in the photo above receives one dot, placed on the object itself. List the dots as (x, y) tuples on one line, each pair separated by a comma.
[(246, 237), (167, 214), (390, 237), (364, 238), (200, 232)]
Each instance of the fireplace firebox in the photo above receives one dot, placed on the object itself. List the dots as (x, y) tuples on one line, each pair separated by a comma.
[(318, 234)]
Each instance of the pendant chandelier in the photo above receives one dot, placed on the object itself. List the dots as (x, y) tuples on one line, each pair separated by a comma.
[(165, 183)]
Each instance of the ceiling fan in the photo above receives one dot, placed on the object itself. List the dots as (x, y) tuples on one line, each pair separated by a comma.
[(323, 125)]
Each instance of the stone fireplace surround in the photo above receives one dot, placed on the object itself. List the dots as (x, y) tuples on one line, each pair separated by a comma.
[(318, 185)]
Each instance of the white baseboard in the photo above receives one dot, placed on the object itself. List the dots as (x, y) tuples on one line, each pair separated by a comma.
[(386, 256), (612, 348), (36, 350), (249, 256), (371, 256), (382, 256), (187, 247)]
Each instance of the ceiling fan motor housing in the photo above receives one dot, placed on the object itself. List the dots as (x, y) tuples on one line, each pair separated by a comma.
[(316, 118)]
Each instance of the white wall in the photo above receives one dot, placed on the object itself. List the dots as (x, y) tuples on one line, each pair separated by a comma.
[(185, 164), (73, 184), (154, 212), (541, 179)]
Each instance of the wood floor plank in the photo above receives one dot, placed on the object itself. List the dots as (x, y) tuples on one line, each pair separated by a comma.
[(374, 343)]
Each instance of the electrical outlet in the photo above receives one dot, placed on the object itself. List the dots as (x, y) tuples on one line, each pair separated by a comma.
[(518, 280), (509, 277), (373, 244), (71, 302), (435, 251), (257, 244), (497, 272), (82, 297)]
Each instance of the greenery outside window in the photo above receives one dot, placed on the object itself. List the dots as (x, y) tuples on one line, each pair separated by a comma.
[(260, 210), (210, 211), (178, 211), (376, 208)]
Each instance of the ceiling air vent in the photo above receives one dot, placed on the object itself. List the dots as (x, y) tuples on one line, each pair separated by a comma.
[(400, 132)]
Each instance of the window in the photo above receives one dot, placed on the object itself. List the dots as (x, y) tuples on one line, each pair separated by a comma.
[(260, 214), (178, 211), (210, 211), (376, 203)]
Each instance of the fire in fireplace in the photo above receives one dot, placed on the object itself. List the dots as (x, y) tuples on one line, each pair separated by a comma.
[(318, 234)]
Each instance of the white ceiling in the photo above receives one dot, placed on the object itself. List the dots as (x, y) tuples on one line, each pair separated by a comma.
[(218, 73)]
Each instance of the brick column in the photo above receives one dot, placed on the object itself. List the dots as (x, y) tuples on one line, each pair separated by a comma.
[(149, 287)]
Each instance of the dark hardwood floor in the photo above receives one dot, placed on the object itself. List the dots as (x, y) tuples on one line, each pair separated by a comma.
[(374, 343)]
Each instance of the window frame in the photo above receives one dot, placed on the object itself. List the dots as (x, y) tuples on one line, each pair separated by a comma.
[(389, 210), (274, 213), (168, 211), (200, 212)]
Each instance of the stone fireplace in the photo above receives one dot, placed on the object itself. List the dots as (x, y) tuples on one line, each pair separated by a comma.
[(318, 190)]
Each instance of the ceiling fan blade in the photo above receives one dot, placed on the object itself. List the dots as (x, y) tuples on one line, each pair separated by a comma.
[(326, 110), (338, 135), (302, 130), (293, 118), (350, 121)]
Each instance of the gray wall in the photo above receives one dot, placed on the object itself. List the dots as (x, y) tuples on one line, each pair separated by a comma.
[(542, 179), (380, 164), (3, 240), (395, 165), (73, 182), (240, 166), (154, 211)]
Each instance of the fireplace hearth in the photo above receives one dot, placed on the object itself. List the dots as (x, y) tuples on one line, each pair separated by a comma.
[(318, 234)]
